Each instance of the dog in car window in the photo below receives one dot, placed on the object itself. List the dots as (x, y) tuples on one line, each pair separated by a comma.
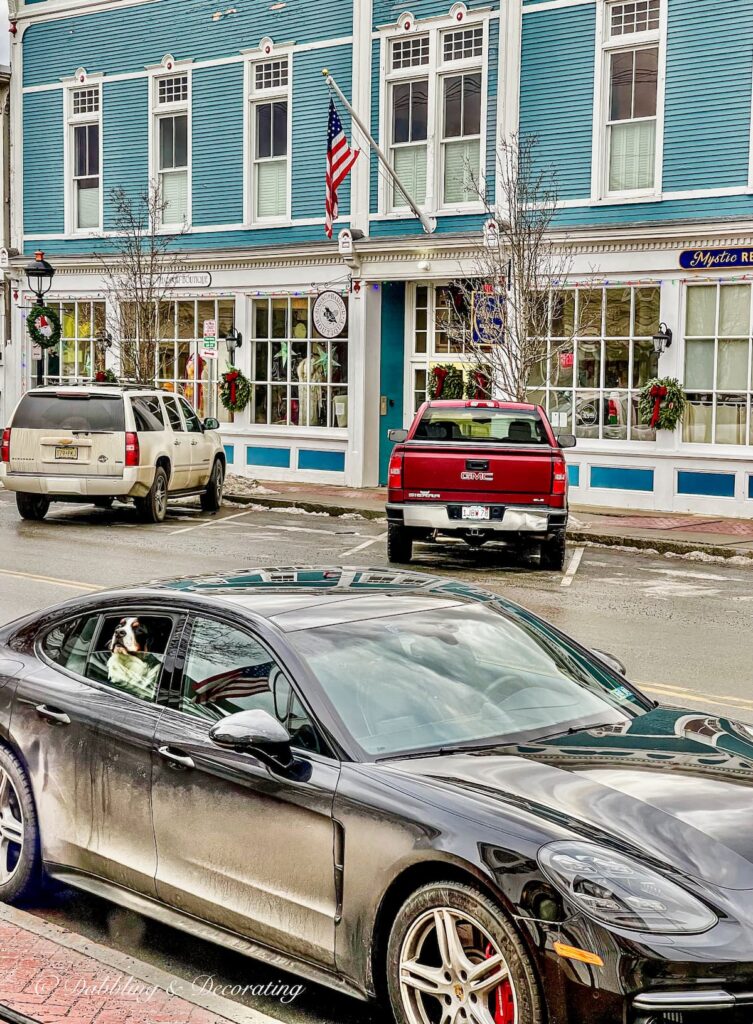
[(132, 664)]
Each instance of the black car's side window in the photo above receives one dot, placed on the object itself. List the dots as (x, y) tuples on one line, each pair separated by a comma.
[(68, 644), (129, 653), (227, 670)]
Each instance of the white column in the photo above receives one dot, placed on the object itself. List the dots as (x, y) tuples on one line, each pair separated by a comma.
[(363, 403)]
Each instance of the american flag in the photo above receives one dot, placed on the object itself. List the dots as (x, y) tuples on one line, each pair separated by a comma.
[(340, 159)]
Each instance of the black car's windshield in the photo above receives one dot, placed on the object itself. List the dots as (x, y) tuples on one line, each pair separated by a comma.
[(460, 675)]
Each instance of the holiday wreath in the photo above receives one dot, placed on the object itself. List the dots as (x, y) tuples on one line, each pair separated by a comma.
[(446, 381), (235, 390), (662, 403), (44, 326)]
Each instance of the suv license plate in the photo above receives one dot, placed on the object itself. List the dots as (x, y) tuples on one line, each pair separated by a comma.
[(69, 454), (476, 512)]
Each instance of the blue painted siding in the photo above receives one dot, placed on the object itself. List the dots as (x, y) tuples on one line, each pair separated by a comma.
[(386, 12), (712, 208), (126, 39), (44, 174), (217, 147), (376, 88), (616, 478), (573, 476), (125, 127), (260, 456), (310, 100), (708, 94), (557, 90), (461, 225), (230, 453), (324, 461), (713, 485), (492, 92)]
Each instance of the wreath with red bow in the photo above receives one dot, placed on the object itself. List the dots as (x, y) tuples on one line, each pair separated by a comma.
[(446, 381), (478, 385), (235, 390), (43, 323), (662, 403)]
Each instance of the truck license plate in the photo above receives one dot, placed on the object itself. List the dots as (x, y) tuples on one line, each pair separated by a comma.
[(476, 512), (70, 454)]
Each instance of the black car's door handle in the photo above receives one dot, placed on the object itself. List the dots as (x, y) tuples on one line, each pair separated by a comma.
[(52, 715), (175, 759)]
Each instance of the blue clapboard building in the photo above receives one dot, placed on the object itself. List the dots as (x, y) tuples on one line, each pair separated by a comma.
[(642, 106)]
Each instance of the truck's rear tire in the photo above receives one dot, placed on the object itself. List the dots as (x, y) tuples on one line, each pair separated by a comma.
[(554, 553), (399, 544), (32, 506)]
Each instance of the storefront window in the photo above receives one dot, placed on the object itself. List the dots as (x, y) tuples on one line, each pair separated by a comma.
[(300, 379), (78, 357), (600, 354), (718, 364)]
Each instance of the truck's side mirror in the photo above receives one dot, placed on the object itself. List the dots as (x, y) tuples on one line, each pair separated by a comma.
[(397, 436), (566, 440)]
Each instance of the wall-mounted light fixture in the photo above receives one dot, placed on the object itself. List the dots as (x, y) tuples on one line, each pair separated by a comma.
[(663, 339)]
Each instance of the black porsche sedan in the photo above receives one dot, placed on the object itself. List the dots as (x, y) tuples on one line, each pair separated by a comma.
[(396, 785)]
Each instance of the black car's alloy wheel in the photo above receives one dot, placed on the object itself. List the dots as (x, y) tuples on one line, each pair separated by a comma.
[(454, 958), (19, 836)]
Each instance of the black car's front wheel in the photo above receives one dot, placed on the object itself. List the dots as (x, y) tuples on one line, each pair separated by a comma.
[(453, 957), (20, 863)]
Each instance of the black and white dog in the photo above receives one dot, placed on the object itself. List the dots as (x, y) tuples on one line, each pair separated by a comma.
[(131, 663)]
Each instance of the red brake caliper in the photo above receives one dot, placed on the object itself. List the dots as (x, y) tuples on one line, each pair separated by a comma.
[(504, 1005)]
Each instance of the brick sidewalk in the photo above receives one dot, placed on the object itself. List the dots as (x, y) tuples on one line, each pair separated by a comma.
[(52, 976)]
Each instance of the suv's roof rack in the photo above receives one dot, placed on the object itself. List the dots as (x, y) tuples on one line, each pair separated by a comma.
[(89, 383)]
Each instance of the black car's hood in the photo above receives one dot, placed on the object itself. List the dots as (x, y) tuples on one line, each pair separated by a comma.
[(677, 786)]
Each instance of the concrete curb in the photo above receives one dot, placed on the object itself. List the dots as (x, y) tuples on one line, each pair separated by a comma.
[(661, 544)]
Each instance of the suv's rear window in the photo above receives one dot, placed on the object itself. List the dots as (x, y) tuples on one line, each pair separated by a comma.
[(64, 412), (504, 426)]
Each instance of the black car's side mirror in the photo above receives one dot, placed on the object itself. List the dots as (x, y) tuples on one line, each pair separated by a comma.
[(614, 663), (566, 440), (257, 733), (210, 423), (397, 436)]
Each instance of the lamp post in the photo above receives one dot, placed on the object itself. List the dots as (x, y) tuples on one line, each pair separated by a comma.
[(38, 274)]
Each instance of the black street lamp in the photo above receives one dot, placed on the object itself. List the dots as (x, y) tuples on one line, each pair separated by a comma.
[(38, 274)]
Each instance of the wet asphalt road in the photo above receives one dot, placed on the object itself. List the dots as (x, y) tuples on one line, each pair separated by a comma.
[(682, 628)]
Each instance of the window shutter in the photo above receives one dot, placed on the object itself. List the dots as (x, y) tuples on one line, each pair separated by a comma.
[(461, 172), (175, 196), (632, 156), (272, 188), (410, 166)]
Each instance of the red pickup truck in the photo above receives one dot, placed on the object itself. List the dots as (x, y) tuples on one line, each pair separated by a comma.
[(480, 470)]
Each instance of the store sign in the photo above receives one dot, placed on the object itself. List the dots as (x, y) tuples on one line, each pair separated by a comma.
[(716, 259), (488, 318), (330, 314), (209, 344), (199, 280)]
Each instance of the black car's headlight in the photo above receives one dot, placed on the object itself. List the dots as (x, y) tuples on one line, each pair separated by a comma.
[(621, 891)]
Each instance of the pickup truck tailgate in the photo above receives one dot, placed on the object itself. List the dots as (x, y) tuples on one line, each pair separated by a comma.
[(440, 472)]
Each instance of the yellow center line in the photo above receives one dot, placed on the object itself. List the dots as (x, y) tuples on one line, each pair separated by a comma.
[(50, 579), (692, 695)]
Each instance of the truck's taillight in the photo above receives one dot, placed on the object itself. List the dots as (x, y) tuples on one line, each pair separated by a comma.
[(559, 485), (133, 453), (5, 449), (396, 470)]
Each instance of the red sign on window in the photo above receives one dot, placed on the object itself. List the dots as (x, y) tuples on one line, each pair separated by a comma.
[(567, 360)]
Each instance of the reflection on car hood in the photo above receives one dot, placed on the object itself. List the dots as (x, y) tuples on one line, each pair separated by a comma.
[(675, 785)]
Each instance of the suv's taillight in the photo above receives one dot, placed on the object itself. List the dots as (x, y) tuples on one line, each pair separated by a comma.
[(396, 471), (5, 449), (559, 484), (132, 453)]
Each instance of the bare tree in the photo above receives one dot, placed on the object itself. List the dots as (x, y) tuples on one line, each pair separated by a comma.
[(139, 278), (499, 315)]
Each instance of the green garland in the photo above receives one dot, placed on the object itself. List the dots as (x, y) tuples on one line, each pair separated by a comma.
[(43, 323), (662, 403), (235, 390), (445, 381)]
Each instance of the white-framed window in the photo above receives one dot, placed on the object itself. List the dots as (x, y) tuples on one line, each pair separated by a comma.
[(172, 138), (85, 158), (78, 356), (719, 364), (269, 123), (434, 102), (631, 97)]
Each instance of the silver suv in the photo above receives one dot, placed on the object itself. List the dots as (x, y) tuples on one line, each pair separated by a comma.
[(95, 443)]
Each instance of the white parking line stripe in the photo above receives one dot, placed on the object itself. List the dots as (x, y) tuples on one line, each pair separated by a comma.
[(573, 567), (210, 522), (48, 579), (366, 544)]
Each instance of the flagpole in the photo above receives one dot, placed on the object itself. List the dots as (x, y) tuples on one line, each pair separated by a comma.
[(429, 224)]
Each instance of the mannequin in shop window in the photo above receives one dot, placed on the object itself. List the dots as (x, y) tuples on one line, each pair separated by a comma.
[(312, 372)]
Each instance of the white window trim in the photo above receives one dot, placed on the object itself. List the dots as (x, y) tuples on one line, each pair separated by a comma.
[(71, 120), (435, 71), (157, 110), (250, 99), (605, 47)]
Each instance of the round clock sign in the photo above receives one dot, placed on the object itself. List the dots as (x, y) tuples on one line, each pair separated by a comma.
[(330, 314)]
